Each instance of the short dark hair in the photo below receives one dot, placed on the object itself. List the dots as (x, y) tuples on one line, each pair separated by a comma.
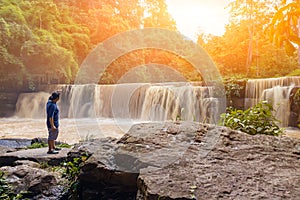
[(54, 95)]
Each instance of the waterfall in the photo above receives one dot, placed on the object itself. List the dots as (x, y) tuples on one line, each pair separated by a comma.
[(184, 103), (274, 90), (279, 96), (31, 105), (155, 102)]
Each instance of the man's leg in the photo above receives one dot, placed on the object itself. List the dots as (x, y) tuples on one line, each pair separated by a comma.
[(51, 145), (51, 140)]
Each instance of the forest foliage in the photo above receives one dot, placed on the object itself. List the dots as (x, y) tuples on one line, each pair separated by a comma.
[(249, 47), (46, 41)]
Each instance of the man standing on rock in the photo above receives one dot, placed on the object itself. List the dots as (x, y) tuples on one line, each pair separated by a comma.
[(52, 122)]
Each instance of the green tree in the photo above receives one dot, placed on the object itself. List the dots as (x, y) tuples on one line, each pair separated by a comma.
[(51, 38), (232, 50), (284, 28), (156, 15)]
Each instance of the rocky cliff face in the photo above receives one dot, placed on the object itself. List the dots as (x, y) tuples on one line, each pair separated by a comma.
[(8, 102), (182, 160)]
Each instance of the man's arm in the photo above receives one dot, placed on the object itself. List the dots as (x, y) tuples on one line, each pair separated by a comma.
[(51, 120), (51, 116)]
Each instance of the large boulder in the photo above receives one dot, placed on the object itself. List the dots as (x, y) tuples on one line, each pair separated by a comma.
[(189, 160), (100, 177), (239, 166)]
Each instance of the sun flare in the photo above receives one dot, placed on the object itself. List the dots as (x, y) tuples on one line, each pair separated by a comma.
[(199, 16)]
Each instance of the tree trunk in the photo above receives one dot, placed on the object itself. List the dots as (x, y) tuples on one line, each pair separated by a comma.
[(250, 49), (298, 44)]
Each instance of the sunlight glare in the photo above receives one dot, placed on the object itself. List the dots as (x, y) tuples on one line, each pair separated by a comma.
[(199, 16)]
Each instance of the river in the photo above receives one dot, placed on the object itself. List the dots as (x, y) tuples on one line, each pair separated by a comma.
[(71, 130)]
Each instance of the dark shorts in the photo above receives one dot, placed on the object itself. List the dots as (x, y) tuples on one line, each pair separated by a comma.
[(52, 135)]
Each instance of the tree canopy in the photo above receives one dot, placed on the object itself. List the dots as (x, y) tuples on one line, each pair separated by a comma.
[(47, 40), (246, 49)]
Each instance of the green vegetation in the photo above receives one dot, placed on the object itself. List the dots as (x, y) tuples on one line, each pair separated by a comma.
[(71, 172), (192, 191), (296, 72), (255, 120), (64, 145), (296, 102), (6, 192), (253, 44), (69, 169), (44, 42), (283, 29), (296, 97), (37, 145), (47, 41), (233, 88)]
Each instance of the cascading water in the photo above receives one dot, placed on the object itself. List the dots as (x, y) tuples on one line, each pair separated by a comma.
[(127, 101), (274, 90), (183, 103), (93, 111)]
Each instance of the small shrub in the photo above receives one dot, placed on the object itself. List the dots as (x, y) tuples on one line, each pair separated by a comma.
[(255, 120), (44, 165), (37, 145), (6, 191), (64, 145), (296, 72), (232, 88), (72, 171)]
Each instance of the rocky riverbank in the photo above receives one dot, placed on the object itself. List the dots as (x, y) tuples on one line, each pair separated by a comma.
[(183, 160)]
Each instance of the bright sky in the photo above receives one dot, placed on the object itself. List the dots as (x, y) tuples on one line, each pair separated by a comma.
[(198, 16)]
